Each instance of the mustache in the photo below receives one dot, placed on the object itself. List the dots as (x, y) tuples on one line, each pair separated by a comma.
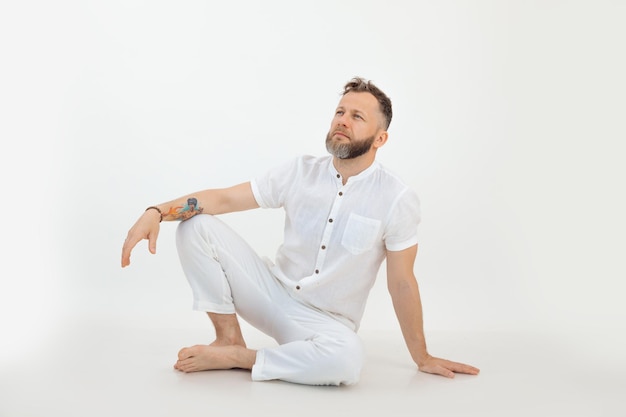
[(342, 131)]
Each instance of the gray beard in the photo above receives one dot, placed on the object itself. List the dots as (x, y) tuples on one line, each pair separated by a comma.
[(348, 150)]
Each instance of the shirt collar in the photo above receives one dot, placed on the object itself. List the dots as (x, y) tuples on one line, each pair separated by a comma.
[(361, 175)]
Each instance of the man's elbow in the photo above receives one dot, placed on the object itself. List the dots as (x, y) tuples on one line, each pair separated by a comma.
[(402, 286)]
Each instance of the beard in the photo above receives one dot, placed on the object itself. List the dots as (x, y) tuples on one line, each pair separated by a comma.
[(350, 150)]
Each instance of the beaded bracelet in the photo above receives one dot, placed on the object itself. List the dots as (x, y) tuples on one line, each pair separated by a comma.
[(157, 209)]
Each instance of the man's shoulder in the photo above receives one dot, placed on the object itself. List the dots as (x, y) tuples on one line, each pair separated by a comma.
[(393, 185), (390, 176)]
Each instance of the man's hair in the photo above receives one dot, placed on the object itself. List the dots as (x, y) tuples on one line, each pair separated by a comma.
[(360, 85)]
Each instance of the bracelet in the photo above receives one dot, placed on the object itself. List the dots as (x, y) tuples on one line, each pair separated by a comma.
[(157, 209)]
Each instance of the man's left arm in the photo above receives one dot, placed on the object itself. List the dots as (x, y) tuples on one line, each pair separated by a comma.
[(404, 291)]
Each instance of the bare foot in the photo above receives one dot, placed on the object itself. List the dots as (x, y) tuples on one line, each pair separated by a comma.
[(207, 357), (227, 330), (228, 342)]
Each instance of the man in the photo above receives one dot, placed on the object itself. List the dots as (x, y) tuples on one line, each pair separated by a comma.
[(344, 215)]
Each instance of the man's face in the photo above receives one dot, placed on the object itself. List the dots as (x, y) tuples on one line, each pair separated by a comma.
[(355, 126)]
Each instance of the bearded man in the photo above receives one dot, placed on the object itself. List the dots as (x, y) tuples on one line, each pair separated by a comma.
[(344, 214)]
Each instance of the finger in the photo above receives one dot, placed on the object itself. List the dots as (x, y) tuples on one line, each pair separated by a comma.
[(129, 244), (443, 371), (125, 255), (438, 370), (462, 368), (152, 239), (448, 368)]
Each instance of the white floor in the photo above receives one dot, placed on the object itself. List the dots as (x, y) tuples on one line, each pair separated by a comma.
[(108, 367)]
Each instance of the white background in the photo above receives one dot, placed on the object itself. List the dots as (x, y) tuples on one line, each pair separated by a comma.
[(508, 121)]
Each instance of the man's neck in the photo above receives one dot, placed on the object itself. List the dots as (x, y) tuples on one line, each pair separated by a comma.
[(350, 167)]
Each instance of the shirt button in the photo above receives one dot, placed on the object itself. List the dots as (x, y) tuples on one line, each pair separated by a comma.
[(340, 193), (323, 247), (297, 287), (330, 220), (317, 271), (338, 176)]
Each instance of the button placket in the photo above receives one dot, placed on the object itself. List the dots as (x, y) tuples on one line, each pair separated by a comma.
[(328, 230)]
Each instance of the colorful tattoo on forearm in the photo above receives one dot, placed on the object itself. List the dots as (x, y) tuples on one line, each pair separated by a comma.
[(183, 212)]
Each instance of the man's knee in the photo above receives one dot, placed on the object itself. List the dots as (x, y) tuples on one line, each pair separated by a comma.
[(195, 228), (353, 358), (345, 360), (193, 236), (195, 225)]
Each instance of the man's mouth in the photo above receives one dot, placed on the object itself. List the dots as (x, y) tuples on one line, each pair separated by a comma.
[(342, 134)]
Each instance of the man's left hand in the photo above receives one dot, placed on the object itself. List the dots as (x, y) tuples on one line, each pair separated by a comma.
[(444, 367)]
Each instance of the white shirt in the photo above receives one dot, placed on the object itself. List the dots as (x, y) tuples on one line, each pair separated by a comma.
[(336, 235)]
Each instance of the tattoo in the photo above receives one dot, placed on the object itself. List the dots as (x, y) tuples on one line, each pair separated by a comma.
[(183, 212)]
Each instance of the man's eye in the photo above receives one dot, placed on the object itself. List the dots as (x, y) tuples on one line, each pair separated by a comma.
[(357, 116)]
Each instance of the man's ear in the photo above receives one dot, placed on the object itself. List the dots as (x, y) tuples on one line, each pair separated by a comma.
[(381, 139)]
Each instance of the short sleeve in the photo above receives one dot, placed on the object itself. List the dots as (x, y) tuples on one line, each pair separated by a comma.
[(401, 230), (271, 188)]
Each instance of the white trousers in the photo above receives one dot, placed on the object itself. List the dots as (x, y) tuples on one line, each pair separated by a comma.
[(227, 276)]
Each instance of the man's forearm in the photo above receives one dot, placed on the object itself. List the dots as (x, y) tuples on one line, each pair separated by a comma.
[(182, 208), (408, 307), (212, 201)]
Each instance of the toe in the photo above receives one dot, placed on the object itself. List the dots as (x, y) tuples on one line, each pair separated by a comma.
[(184, 353), (187, 367)]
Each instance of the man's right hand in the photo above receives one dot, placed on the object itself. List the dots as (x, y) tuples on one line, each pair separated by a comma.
[(146, 227)]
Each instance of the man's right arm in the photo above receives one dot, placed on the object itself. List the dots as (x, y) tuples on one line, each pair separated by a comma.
[(212, 201)]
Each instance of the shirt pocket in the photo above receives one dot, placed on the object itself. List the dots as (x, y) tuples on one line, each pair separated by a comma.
[(360, 234)]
